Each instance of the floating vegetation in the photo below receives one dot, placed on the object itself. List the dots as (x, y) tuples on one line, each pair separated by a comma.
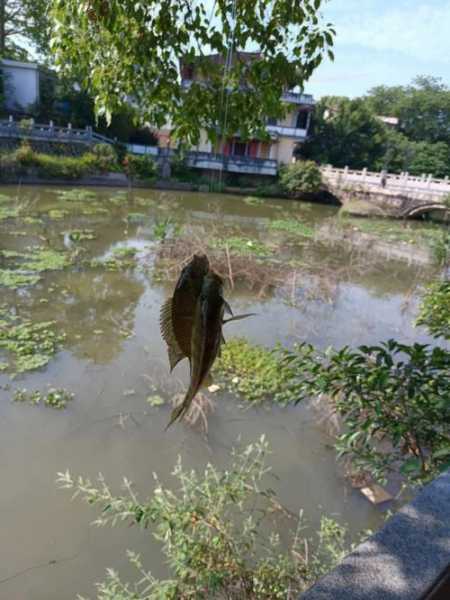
[(118, 198), (28, 264), (165, 228), (155, 400), (255, 372), (8, 212), (76, 195), (54, 398), (15, 279), (292, 226), (242, 246), (32, 221), (253, 201), (94, 210), (31, 344), (121, 258), (57, 213), (140, 201), (81, 235), (136, 217)]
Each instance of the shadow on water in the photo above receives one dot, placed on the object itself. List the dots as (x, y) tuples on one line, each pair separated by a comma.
[(113, 358)]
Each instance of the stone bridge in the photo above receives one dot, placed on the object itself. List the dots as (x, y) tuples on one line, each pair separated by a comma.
[(402, 195)]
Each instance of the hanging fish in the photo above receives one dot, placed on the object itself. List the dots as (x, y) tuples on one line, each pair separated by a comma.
[(177, 313), (206, 338)]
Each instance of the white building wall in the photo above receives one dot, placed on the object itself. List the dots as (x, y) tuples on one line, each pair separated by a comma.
[(21, 83)]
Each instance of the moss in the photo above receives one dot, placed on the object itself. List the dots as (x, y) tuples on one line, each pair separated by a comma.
[(292, 226), (254, 372)]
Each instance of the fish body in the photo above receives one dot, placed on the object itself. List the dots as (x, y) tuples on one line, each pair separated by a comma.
[(177, 314), (206, 338)]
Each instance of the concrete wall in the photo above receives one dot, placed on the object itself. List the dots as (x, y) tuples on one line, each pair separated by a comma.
[(22, 84), (403, 560), (284, 149)]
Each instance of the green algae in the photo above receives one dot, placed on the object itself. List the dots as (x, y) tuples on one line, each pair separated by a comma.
[(15, 279)]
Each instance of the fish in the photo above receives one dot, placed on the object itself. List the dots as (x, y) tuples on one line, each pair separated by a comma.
[(177, 313), (206, 338)]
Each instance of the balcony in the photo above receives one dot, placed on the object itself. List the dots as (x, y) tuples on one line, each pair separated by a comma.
[(232, 164), (292, 132), (297, 98)]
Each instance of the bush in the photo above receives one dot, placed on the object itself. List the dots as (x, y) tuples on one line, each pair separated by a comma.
[(301, 177), (105, 158), (434, 311), (219, 535), (393, 400), (141, 166)]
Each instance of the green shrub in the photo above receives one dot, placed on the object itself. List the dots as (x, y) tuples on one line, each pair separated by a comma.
[(434, 311), (393, 400), (105, 158), (140, 166), (219, 535), (301, 177)]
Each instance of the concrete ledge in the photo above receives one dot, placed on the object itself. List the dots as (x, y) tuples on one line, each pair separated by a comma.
[(403, 560)]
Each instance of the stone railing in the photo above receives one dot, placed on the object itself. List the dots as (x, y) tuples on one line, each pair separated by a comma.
[(28, 129), (425, 186), (408, 559)]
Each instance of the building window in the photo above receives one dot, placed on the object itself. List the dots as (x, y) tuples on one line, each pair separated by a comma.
[(271, 121), (302, 120), (240, 149)]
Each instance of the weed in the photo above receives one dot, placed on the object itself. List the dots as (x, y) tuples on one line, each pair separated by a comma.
[(254, 372), (242, 246), (293, 226)]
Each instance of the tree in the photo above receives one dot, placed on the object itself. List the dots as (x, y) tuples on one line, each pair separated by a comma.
[(346, 133), (126, 49), (301, 177), (422, 107), (20, 21)]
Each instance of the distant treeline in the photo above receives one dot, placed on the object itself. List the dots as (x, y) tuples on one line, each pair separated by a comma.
[(348, 132)]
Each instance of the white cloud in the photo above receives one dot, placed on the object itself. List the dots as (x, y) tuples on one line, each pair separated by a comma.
[(418, 29)]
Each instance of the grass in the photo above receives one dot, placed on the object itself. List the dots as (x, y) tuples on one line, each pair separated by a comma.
[(254, 372)]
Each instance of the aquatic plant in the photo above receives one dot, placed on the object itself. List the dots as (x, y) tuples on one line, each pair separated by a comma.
[(7, 212), (219, 533), (122, 257), (136, 217), (293, 226), (54, 398), (30, 344), (253, 201), (434, 312), (14, 279), (393, 401), (440, 247), (255, 372), (81, 235), (241, 246), (76, 195)]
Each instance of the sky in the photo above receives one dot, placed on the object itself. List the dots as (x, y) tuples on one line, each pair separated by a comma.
[(383, 42)]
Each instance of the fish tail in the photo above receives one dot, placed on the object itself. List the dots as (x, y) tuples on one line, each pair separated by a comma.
[(179, 411)]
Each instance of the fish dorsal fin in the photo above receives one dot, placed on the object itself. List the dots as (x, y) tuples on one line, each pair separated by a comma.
[(174, 351)]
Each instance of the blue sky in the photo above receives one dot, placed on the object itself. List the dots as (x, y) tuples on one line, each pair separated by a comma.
[(384, 42)]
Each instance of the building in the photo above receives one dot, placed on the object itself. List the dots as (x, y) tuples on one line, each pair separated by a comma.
[(251, 156), (22, 85)]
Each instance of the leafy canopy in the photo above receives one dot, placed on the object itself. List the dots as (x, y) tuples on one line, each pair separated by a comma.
[(123, 49), (22, 20)]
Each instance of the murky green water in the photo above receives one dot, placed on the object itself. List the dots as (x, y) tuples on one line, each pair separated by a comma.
[(113, 358)]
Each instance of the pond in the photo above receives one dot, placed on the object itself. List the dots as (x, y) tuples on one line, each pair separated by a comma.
[(94, 266)]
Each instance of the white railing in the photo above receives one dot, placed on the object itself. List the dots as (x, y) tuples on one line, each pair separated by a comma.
[(426, 186), (293, 132)]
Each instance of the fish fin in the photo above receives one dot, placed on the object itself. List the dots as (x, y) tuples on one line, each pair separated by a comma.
[(239, 317), (173, 349), (227, 308)]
